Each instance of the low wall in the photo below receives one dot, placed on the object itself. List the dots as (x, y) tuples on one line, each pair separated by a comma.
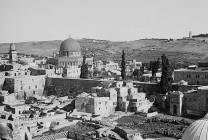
[(149, 88), (152, 88)]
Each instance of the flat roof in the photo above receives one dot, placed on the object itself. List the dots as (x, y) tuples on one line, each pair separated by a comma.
[(194, 70), (203, 87)]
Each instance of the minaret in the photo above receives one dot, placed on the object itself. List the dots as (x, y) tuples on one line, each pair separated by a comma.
[(12, 53), (190, 34)]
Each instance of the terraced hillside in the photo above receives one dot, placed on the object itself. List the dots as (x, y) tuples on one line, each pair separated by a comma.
[(180, 51)]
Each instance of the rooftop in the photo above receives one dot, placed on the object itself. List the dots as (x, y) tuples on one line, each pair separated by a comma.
[(193, 70), (203, 87)]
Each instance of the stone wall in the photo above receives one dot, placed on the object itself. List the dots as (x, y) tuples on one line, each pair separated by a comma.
[(154, 88), (149, 88), (66, 86), (184, 88)]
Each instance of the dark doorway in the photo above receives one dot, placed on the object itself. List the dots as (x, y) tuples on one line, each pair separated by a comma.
[(174, 110)]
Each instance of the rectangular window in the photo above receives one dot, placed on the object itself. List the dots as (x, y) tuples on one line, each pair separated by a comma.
[(197, 76)]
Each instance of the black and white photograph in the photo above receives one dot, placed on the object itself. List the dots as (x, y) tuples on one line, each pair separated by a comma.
[(103, 70)]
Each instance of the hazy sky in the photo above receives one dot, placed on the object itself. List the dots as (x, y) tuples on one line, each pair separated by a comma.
[(31, 20)]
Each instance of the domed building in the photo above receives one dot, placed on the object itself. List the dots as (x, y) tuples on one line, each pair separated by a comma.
[(198, 130), (70, 58)]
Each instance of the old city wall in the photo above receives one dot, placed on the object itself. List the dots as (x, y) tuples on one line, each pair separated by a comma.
[(154, 88), (149, 88), (184, 88), (66, 86)]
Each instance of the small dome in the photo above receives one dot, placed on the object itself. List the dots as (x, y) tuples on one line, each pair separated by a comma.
[(197, 130), (182, 82), (5, 131), (203, 88), (70, 45)]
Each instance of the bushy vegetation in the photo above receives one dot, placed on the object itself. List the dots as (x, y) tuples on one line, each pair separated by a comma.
[(154, 66), (158, 126)]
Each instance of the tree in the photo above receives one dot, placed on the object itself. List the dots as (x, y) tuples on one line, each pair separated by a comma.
[(166, 78), (25, 95), (84, 69), (96, 73), (154, 66), (123, 66), (137, 73)]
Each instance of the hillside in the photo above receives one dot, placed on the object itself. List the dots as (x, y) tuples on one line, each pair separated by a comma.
[(181, 50)]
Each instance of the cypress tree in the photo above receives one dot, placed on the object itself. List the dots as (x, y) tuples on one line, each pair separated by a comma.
[(123, 66), (166, 78), (84, 69)]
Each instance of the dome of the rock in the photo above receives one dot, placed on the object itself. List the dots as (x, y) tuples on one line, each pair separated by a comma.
[(70, 45)]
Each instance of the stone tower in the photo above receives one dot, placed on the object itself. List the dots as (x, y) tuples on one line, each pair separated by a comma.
[(12, 53), (190, 34)]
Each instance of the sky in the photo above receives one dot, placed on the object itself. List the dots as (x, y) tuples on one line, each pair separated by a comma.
[(116, 20)]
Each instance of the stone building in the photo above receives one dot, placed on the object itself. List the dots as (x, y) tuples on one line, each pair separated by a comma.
[(133, 64), (14, 73), (176, 103), (129, 99), (29, 85), (99, 65), (193, 102), (196, 102), (197, 76), (111, 66), (91, 103), (70, 58)]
